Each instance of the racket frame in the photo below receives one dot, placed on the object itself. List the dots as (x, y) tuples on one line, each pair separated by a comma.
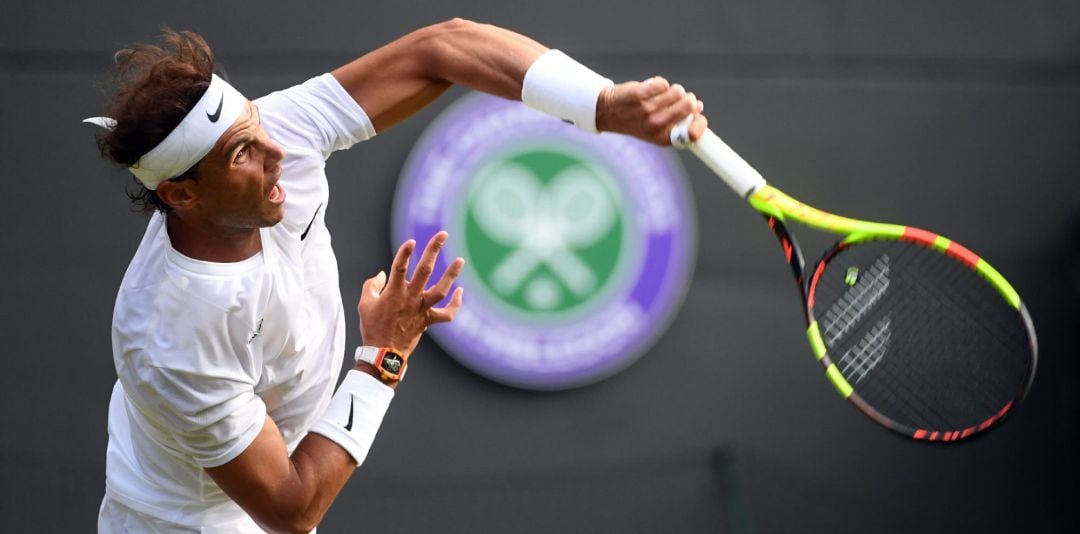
[(777, 208)]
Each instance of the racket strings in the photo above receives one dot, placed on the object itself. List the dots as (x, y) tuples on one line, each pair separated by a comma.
[(939, 348), (995, 380), (863, 357), (923, 399), (994, 326), (906, 388), (968, 332), (846, 312), (899, 387), (953, 280), (960, 302)]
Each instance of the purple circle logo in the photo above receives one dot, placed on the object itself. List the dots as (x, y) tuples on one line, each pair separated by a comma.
[(578, 247)]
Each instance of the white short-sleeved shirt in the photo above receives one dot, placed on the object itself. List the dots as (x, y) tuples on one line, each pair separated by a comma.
[(204, 351)]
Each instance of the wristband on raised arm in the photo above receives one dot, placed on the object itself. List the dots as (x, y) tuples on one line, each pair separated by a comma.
[(558, 85)]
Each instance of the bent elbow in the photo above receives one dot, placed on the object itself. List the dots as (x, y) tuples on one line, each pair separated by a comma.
[(447, 31), (456, 24), (437, 50), (295, 523), (301, 528), (290, 527)]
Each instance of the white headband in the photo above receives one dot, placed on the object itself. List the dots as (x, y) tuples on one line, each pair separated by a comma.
[(214, 113)]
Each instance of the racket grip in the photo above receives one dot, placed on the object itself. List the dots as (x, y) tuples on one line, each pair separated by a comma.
[(719, 157)]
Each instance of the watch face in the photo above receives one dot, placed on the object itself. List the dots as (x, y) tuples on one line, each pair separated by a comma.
[(392, 363)]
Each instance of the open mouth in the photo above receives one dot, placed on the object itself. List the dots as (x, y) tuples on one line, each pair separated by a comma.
[(277, 194)]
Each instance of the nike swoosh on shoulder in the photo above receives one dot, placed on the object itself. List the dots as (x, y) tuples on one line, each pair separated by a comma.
[(306, 230), (217, 114)]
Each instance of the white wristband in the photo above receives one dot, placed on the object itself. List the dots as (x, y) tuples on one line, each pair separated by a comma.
[(560, 86), (355, 413)]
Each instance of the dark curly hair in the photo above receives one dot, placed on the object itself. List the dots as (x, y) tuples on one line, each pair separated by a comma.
[(154, 86)]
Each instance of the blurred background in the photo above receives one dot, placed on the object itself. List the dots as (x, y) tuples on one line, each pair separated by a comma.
[(962, 117)]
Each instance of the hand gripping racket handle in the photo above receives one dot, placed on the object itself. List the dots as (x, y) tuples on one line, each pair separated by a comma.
[(719, 157)]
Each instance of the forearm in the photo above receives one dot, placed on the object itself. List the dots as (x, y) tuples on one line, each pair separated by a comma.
[(318, 469), (399, 79), (285, 493), (497, 61), (481, 56), (292, 493), (396, 80)]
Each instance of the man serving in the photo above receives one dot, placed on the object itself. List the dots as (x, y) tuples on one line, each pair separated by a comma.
[(228, 331)]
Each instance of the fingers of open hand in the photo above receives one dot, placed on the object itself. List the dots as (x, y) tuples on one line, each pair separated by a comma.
[(427, 262), (439, 291), (375, 285), (395, 311), (446, 313), (399, 269)]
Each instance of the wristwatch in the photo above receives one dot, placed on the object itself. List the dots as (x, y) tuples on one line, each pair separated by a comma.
[(390, 363)]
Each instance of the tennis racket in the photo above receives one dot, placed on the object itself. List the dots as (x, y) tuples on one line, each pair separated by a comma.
[(918, 332)]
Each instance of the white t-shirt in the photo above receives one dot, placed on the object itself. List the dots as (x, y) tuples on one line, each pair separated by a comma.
[(204, 351)]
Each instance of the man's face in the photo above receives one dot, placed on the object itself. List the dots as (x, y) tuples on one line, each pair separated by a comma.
[(237, 185)]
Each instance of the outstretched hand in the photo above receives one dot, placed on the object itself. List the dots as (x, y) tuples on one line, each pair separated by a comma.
[(394, 313), (649, 110)]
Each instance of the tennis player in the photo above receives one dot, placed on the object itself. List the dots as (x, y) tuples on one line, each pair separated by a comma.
[(228, 331)]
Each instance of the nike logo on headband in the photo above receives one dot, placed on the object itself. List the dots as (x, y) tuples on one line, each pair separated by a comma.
[(217, 114)]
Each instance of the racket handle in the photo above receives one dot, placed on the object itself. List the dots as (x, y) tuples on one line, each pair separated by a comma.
[(719, 157)]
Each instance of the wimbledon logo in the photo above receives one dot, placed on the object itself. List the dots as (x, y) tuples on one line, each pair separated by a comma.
[(578, 247)]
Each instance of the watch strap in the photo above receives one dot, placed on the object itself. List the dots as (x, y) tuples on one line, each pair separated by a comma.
[(373, 356), (366, 354)]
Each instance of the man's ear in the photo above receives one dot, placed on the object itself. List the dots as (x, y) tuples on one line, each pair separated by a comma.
[(179, 196)]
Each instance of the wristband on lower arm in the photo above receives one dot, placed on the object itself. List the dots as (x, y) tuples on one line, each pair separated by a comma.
[(355, 413), (560, 86)]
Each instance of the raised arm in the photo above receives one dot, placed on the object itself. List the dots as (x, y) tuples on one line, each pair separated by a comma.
[(286, 493), (396, 80)]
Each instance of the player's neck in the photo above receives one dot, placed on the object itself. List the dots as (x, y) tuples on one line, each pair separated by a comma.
[(208, 242)]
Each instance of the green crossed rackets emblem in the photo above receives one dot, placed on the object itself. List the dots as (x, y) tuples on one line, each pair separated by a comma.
[(544, 230), (578, 247)]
